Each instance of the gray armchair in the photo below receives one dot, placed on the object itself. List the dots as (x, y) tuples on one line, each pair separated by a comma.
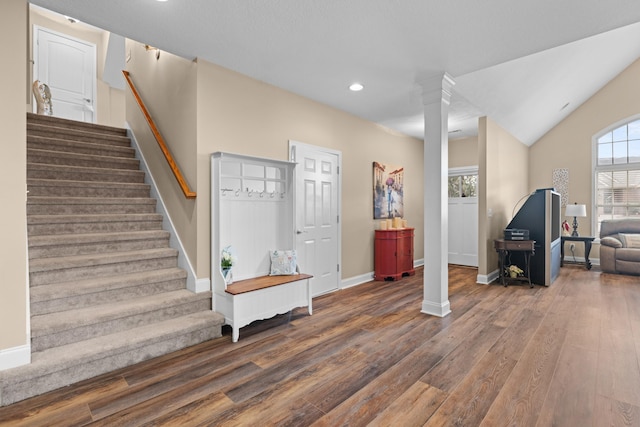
[(620, 246)]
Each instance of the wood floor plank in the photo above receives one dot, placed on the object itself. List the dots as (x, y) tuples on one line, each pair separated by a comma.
[(468, 404), (618, 372), (524, 392), (191, 360), (413, 408), (291, 348), (279, 372), (572, 393), (610, 412), (557, 355), (275, 402), (142, 403), (451, 370), (70, 403), (198, 412)]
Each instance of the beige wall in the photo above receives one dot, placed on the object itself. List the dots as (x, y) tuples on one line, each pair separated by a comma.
[(569, 144), (503, 177), (13, 253), (241, 115), (167, 86), (109, 101), (463, 152)]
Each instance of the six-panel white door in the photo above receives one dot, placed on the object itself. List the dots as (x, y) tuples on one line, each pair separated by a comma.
[(317, 210)]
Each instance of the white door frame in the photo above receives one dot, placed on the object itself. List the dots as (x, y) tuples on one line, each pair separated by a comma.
[(468, 170), (292, 157), (94, 77)]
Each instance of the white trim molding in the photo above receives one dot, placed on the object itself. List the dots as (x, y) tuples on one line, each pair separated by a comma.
[(15, 356), (433, 309), (193, 283), (488, 278), (356, 280)]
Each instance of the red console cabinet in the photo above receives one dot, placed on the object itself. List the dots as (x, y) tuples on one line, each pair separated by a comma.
[(393, 254)]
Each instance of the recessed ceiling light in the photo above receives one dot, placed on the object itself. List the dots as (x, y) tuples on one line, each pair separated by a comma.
[(356, 87), (565, 106)]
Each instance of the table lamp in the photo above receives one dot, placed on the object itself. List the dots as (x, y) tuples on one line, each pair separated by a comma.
[(575, 211)]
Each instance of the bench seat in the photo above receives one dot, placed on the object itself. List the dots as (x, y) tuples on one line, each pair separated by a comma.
[(263, 297)]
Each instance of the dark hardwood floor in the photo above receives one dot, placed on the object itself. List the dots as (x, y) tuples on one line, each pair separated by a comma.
[(566, 355)]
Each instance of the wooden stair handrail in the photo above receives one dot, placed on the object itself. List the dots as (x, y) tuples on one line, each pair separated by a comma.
[(188, 193)]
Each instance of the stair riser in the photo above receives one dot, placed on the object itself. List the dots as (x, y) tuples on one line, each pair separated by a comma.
[(41, 278), (119, 175), (78, 147), (78, 191), (108, 296), (33, 119), (14, 392), (39, 343), (89, 209), (39, 131), (92, 227), (96, 248), (67, 159)]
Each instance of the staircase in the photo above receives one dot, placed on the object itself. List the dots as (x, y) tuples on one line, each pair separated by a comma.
[(105, 288)]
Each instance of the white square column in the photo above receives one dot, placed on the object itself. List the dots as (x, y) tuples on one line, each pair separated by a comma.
[(436, 96)]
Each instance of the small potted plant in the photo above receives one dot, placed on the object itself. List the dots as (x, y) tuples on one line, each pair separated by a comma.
[(227, 260), (514, 271)]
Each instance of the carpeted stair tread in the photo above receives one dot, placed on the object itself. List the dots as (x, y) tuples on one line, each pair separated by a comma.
[(61, 219), (79, 239), (73, 124), (91, 184), (36, 155), (58, 245), (58, 200), (60, 366), (77, 288), (72, 319), (61, 205), (59, 263), (80, 173), (79, 147)]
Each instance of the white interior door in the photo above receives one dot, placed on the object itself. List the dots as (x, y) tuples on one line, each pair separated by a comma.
[(463, 217), (317, 214), (68, 66)]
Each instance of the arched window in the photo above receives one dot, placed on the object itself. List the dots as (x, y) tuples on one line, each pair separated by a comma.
[(617, 172)]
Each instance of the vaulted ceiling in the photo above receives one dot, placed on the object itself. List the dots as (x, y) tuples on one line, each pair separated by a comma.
[(526, 64)]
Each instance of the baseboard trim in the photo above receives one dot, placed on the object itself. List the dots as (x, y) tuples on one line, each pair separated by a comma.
[(203, 285), (356, 280), (436, 309), (15, 356), (368, 277), (167, 223), (485, 279)]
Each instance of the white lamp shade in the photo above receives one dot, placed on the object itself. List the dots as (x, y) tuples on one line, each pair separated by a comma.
[(576, 210)]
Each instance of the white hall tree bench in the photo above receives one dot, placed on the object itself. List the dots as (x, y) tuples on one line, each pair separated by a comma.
[(252, 212), (264, 297)]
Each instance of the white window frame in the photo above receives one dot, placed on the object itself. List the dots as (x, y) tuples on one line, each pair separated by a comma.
[(595, 168), (466, 170)]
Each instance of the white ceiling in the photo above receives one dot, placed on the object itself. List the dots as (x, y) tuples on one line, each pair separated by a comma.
[(518, 62)]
